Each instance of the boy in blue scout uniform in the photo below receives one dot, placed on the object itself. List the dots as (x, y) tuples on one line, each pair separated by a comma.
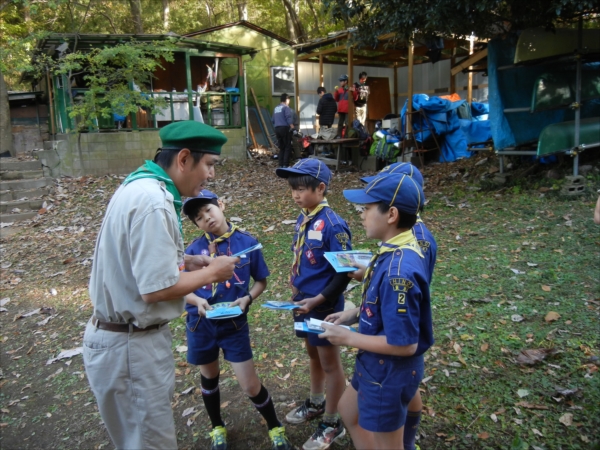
[(206, 336), (395, 326), (429, 249), (318, 289)]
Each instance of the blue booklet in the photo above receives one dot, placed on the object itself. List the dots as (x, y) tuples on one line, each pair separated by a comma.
[(223, 311), (346, 261), (283, 305), (315, 326), (242, 254)]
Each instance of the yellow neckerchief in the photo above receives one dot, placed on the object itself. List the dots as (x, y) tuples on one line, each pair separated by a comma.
[(405, 240), (213, 242), (301, 236), (419, 220)]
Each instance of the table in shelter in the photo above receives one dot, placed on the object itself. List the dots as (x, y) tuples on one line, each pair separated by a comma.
[(337, 145)]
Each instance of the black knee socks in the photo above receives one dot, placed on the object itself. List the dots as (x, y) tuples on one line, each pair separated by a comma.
[(264, 404), (212, 399)]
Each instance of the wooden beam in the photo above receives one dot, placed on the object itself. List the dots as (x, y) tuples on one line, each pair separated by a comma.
[(395, 89), (469, 61), (452, 76), (321, 52), (470, 89), (321, 78), (410, 89), (350, 83), (296, 87)]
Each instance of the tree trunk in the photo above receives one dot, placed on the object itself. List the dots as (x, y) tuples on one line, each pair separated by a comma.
[(6, 137), (311, 5), (209, 12), (300, 35), (136, 15), (165, 15), (243, 9)]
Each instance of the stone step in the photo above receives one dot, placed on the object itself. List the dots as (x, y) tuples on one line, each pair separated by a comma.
[(15, 164), (18, 185), (21, 174), (25, 215), (23, 205), (7, 196)]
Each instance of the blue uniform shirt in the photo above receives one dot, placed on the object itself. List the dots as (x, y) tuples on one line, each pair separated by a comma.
[(252, 266), (397, 302), (282, 116), (428, 246), (326, 232)]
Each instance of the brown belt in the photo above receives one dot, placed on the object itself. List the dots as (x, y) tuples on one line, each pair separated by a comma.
[(122, 327)]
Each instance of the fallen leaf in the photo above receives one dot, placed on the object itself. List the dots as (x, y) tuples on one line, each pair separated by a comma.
[(494, 418), (182, 348), (66, 354), (528, 405), (188, 411), (566, 419), (288, 222), (522, 393), (271, 228), (484, 435), (484, 347), (235, 219), (552, 316), (225, 404), (532, 356), (546, 288)]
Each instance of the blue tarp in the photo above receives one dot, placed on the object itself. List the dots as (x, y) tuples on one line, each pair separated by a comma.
[(513, 87), (476, 131), (442, 116)]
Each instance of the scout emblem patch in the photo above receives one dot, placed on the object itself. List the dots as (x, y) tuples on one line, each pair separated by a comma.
[(369, 313), (311, 257), (401, 284), (319, 225), (343, 239), (424, 245)]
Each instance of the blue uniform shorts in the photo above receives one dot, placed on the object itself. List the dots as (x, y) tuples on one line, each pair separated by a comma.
[(320, 312), (206, 336), (385, 387)]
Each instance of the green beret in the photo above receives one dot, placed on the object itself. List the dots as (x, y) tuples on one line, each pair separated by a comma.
[(195, 136)]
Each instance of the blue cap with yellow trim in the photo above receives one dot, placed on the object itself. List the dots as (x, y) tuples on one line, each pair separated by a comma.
[(205, 196), (307, 166), (400, 167), (394, 189)]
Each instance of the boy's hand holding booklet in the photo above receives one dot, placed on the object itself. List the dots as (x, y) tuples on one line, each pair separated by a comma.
[(316, 326), (223, 311), (274, 304), (347, 261)]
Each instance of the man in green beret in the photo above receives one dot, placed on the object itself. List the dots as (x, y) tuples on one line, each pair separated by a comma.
[(137, 286)]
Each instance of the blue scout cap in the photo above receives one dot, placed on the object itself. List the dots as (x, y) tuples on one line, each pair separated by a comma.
[(343, 78), (307, 166), (394, 189), (204, 197), (400, 167), (195, 136)]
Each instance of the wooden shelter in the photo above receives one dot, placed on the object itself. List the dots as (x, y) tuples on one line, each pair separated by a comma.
[(390, 53)]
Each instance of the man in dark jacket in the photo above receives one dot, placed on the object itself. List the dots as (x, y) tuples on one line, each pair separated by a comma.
[(283, 121), (326, 108)]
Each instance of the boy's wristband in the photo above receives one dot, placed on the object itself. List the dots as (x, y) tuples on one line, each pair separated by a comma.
[(251, 298)]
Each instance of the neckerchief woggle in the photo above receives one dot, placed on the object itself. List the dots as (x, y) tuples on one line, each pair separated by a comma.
[(212, 247), (152, 170), (301, 236), (405, 240)]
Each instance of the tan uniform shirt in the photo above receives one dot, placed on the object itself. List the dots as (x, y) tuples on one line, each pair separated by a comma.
[(138, 251)]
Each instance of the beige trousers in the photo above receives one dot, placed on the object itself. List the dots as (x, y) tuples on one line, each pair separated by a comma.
[(132, 376)]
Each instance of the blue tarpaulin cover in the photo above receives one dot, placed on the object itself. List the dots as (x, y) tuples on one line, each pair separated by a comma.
[(442, 116), (512, 88)]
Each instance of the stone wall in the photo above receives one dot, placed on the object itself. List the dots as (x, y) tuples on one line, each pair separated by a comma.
[(115, 153)]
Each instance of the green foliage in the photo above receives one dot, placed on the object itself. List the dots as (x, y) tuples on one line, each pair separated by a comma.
[(484, 18), (109, 73)]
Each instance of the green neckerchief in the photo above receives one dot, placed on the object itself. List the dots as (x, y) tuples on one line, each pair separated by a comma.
[(152, 170)]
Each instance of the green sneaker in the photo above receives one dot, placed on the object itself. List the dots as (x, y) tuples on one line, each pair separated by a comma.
[(219, 438), (279, 440)]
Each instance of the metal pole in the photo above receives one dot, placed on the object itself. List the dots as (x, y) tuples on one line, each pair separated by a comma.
[(188, 76), (578, 96)]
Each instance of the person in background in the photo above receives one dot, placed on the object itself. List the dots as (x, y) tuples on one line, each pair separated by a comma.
[(341, 97), (360, 93), (326, 108), (283, 121)]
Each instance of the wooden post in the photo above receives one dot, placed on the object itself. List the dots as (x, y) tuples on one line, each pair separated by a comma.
[(262, 119), (409, 109), (395, 88), (321, 78), (470, 86), (296, 86), (453, 77), (350, 84), (50, 103), (252, 135)]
